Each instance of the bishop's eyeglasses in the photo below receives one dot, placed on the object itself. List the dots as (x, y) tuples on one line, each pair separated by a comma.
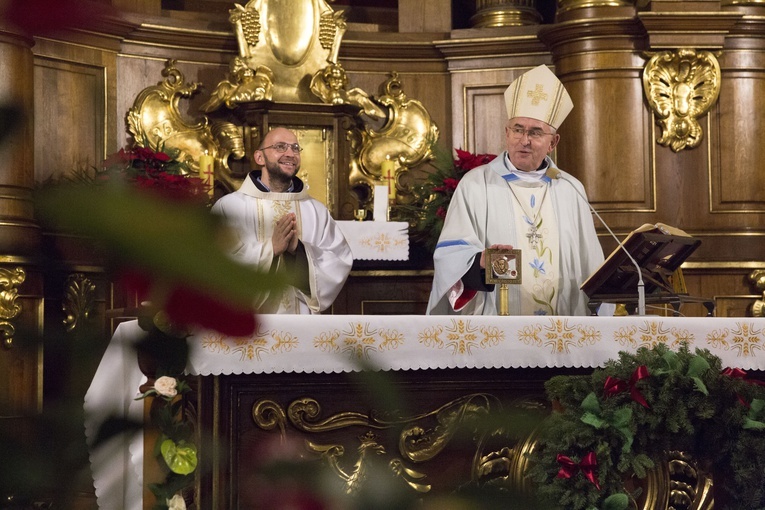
[(533, 133), (282, 147)]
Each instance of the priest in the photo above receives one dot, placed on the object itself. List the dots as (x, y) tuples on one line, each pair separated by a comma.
[(280, 228), (521, 200)]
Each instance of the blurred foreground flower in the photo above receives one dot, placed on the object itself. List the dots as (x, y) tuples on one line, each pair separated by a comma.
[(171, 251), (44, 17)]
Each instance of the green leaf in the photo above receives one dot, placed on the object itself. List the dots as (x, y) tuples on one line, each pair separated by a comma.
[(618, 501), (700, 386), (181, 458), (177, 241)]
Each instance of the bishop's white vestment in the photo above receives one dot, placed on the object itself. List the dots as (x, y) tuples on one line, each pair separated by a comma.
[(252, 214), (483, 212)]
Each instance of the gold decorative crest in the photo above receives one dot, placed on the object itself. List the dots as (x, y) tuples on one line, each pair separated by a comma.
[(287, 41), (681, 86), (78, 304), (155, 121), (9, 309)]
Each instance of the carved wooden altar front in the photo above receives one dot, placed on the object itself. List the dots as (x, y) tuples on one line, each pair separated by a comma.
[(424, 405)]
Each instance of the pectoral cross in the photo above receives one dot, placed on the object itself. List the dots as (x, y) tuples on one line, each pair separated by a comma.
[(534, 236)]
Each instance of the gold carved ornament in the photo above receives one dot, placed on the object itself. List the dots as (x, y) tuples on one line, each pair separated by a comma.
[(681, 86), (757, 277), (421, 438), (406, 137), (78, 303), (291, 42), (10, 280), (155, 121)]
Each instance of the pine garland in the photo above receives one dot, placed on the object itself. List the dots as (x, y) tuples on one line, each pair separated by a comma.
[(637, 408)]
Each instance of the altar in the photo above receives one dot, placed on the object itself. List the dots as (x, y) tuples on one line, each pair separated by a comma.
[(298, 377)]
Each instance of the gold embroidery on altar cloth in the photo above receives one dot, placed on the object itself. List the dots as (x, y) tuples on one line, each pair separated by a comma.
[(560, 336), (461, 337), (382, 242), (745, 339), (651, 334), (359, 341), (251, 348)]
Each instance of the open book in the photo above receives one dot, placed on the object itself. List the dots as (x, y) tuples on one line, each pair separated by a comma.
[(658, 250)]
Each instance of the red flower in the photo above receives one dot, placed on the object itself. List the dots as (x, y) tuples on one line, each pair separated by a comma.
[(40, 17), (441, 212), (466, 161), (188, 306), (120, 159), (451, 183)]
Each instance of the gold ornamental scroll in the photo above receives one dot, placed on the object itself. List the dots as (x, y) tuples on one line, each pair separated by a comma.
[(681, 86), (290, 39)]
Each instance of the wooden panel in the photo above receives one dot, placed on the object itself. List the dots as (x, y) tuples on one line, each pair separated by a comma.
[(485, 109), (384, 293), (733, 186), (70, 117)]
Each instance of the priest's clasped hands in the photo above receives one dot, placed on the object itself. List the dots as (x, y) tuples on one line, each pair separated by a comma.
[(285, 237)]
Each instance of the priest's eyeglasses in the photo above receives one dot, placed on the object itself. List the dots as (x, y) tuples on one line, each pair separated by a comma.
[(533, 134), (282, 147)]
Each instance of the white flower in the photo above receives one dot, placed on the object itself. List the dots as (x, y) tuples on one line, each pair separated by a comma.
[(177, 502), (167, 387)]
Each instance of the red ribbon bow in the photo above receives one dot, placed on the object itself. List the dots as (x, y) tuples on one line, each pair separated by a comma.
[(737, 373), (613, 385), (588, 466)]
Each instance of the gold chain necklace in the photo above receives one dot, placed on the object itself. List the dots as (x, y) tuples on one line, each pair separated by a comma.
[(533, 234)]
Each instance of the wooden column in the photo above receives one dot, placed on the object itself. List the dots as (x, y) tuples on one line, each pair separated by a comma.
[(424, 16)]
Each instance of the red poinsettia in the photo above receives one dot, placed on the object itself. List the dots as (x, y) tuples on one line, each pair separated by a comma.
[(433, 196), (467, 161), (156, 172)]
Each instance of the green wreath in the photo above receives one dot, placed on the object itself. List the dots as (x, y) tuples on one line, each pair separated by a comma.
[(621, 420)]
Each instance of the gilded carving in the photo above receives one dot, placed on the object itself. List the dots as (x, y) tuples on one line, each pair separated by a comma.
[(293, 42), (243, 85), (78, 303), (358, 474), (421, 437), (681, 86), (269, 415), (155, 121), (505, 13), (677, 483), (10, 280), (500, 458), (758, 279)]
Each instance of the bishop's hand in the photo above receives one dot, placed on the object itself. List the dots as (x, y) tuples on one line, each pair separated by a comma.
[(493, 247)]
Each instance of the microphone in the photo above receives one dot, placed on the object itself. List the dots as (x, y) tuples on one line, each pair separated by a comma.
[(640, 286)]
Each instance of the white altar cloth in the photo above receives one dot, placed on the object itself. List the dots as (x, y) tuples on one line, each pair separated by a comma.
[(344, 343), (377, 240)]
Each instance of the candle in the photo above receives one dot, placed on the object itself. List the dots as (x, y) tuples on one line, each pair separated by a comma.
[(388, 174), (207, 171)]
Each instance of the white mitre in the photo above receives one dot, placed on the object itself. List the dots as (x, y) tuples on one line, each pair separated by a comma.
[(538, 94)]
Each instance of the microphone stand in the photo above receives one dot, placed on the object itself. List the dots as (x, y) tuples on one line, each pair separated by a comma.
[(640, 284)]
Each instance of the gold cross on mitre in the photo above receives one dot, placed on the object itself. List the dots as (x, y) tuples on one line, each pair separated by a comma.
[(537, 94)]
